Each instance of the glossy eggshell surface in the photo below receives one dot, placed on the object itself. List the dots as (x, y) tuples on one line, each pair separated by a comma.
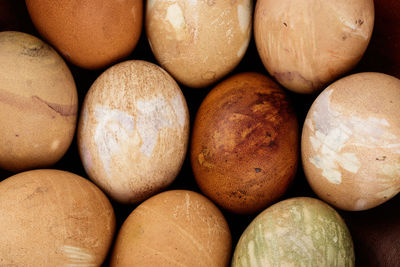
[(351, 141), (91, 34), (38, 103), (296, 232), (133, 131), (53, 218), (306, 44), (244, 147), (174, 228), (199, 42)]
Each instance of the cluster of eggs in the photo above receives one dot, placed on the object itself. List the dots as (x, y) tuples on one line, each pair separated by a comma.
[(245, 145)]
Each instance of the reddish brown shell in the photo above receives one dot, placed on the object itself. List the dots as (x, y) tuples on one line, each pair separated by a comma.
[(244, 147), (91, 34)]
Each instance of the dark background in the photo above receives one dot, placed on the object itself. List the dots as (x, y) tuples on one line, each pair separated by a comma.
[(376, 232)]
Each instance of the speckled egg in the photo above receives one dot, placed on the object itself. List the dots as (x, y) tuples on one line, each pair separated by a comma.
[(199, 42), (92, 33), (296, 232), (133, 130), (174, 228), (38, 103), (306, 44), (351, 141), (53, 218), (244, 146)]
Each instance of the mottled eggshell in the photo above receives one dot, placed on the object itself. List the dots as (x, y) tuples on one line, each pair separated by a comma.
[(174, 228), (351, 141), (199, 42), (306, 44), (92, 33), (38, 103), (244, 147), (296, 232), (133, 130), (53, 218)]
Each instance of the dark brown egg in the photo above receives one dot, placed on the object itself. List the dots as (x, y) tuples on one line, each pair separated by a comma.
[(244, 148)]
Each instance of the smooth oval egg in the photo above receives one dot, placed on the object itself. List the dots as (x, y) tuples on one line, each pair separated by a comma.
[(38, 103), (174, 228), (133, 131), (91, 34), (244, 146), (199, 42), (299, 231), (306, 44), (351, 141), (54, 218)]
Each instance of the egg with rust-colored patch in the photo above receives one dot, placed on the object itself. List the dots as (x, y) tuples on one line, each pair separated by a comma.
[(174, 228), (133, 130), (199, 42), (351, 141), (299, 231), (244, 147), (54, 218), (91, 34), (306, 44), (38, 103)]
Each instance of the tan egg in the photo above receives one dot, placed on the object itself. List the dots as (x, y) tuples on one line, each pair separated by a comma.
[(92, 33), (351, 141), (38, 103), (245, 142), (133, 131), (306, 44), (199, 42), (54, 218), (174, 228)]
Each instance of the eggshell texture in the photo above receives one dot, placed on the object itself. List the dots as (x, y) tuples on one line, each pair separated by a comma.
[(38, 103), (244, 147), (133, 131), (53, 218), (174, 228), (351, 141), (199, 42), (296, 232), (92, 33), (306, 44)]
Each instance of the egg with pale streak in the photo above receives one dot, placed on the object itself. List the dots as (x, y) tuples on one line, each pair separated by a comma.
[(350, 143)]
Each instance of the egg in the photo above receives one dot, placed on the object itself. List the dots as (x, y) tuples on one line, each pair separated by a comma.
[(244, 146), (174, 228), (306, 44), (299, 231), (38, 103), (53, 218), (91, 34), (133, 130), (350, 143), (198, 42)]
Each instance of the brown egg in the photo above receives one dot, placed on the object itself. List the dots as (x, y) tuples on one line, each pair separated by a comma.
[(306, 44), (199, 42), (53, 218), (38, 103), (244, 147), (133, 131), (91, 34), (351, 141), (174, 228)]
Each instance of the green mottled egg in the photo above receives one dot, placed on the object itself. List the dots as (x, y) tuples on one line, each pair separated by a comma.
[(296, 232)]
